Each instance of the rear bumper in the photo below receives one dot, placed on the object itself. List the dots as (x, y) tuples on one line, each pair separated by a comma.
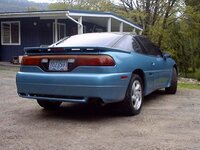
[(72, 87)]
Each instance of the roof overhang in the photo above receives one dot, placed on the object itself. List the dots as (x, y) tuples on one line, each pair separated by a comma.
[(76, 13), (32, 14), (95, 17)]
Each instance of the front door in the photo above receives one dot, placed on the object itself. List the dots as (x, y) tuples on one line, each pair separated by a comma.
[(159, 71), (164, 72), (60, 32)]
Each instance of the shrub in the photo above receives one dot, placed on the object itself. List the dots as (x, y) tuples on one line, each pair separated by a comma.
[(197, 74)]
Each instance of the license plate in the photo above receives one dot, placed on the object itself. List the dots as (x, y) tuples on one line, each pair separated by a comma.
[(58, 65)]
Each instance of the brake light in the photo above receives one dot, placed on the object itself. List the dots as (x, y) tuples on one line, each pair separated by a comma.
[(95, 60), (31, 61), (78, 60)]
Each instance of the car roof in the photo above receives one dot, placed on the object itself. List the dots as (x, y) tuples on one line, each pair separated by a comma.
[(97, 39), (118, 33), (111, 33)]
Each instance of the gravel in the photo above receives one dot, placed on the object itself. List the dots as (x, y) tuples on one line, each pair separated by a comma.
[(188, 80), (166, 122)]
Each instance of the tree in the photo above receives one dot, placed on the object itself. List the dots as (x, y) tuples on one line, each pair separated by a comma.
[(32, 8), (192, 24), (97, 5), (174, 25), (148, 12)]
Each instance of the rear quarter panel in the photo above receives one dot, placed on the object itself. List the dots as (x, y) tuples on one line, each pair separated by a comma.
[(128, 62)]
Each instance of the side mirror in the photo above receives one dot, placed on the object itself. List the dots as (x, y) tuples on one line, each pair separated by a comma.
[(166, 55)]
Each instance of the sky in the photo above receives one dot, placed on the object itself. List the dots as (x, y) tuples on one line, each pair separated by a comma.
[(50, 1), (42, 1)]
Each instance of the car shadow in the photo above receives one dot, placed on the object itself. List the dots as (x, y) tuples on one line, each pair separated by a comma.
[(155, 96), (81, 112), (89, 112)]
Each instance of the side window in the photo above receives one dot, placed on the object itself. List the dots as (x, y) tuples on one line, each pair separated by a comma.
[(125, 44), (150, 48), (128, 43), (137, 47)]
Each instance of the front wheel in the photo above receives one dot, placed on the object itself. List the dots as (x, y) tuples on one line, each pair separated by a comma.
[(173, 87), (49, 104), (133, 101)]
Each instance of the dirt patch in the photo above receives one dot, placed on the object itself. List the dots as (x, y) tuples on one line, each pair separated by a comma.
[(166, 122)]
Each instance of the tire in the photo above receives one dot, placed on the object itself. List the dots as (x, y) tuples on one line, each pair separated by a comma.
[(133, 101), (173, 87), (49, 104)]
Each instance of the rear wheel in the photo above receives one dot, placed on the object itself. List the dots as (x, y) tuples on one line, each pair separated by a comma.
[(49, 104), (173, 87), (132, 103)]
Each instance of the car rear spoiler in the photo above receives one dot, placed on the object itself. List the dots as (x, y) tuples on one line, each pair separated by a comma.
[(68, 50)]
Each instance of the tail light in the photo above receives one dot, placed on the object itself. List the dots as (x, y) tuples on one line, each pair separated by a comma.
[(95, 60), (80, 60), (31, 61)]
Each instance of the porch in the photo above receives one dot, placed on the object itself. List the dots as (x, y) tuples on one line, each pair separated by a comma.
[(33, 29)]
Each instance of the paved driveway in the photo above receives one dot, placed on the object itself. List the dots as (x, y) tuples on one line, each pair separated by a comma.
[(166, 122)]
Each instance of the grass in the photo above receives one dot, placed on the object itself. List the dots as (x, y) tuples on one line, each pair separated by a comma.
[(195, 75), (188, 86)]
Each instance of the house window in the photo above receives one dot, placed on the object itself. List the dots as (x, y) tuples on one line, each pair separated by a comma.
[(10, 33), (61, 31)]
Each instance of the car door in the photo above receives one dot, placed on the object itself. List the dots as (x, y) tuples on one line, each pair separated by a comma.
[(148, 64), (160, 66), (164, 72)]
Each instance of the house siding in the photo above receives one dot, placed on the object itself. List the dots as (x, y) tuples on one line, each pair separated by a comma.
[(36, 32), (29, 37)]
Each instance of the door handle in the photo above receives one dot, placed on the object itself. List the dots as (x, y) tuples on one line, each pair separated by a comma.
[(153, 63)]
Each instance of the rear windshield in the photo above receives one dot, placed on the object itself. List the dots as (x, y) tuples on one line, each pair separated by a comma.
[(94, 39)]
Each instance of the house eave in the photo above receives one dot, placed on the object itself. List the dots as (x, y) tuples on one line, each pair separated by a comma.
[(31, 14), (104, 15), (72, 13)]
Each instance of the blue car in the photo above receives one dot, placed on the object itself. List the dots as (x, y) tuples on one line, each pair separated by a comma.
[(107, 67)]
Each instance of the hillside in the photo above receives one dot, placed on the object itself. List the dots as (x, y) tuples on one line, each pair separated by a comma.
[(20, 5)]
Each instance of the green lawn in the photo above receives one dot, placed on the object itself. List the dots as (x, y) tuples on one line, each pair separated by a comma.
[(188, 86), (195, 75)]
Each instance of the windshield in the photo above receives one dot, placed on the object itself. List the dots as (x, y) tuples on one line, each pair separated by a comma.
[(90, 40)]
